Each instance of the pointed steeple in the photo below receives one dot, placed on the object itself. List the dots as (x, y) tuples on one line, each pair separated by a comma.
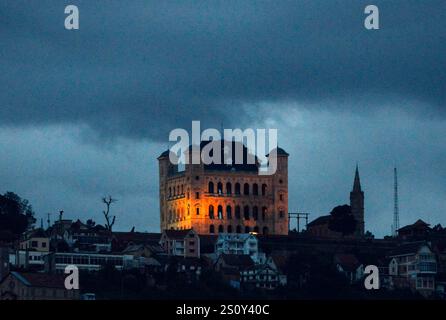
[(357, 182)]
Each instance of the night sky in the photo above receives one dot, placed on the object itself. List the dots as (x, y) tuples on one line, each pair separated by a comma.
[(85, 113)]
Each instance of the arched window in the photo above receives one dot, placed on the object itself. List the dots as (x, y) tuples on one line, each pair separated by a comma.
[(220, 212), (256, 229), (265, 230), (178, 190), (281, 213), (220, 188), (170, 191), (264, 190), (228, 188), (238, 229), (255, 189), (246, 212), (229, 229), (211, 228), (247, 230), (255, 213), (237, 212), (228, 212), (220, 229), (264, 212), (211, 187), (237, 188), (211, 212), (246, 189)]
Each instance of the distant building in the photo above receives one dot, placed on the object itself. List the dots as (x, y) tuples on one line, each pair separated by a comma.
[(417, 231), (224, 198), (183, 243), (349, 266), (320, 226), (414, 266), (36, 241), (245, 243), (35, 286)]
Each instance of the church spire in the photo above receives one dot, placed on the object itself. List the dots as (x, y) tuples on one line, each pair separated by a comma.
[(357, 182)]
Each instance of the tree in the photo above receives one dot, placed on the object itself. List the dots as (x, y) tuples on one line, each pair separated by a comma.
[(24, 207), (342, 220), (109, 221), (369, 235), (16, 214)]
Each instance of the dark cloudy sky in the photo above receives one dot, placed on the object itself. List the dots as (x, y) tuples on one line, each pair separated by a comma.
[(85, 113)]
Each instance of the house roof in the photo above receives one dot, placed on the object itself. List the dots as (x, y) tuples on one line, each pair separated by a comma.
[(237, 260), (42, 280), (319, 221), (418, 224), (137, 237), (407, 248), (177, 234), (347, 261)]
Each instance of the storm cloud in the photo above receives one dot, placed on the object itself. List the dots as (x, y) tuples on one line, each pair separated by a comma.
[(338, 94)]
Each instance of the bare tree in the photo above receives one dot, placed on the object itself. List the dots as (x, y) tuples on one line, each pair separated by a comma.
[(109, 221)]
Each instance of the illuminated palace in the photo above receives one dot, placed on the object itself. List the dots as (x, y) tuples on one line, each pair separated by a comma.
[(218, 198)]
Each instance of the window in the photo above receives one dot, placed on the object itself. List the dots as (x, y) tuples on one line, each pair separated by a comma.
[(220, 229), (255, 213), (228, 188), (197, 178), (246, 189), (237, 188), (220, 188), (211, 187), (256, 229), (197, 195), (43, 244), (264, 190), (170, 192), (211, 229), (281, 197), (246, 212), (238, 229), (247, 230), (220, 212), (264, 212), (255, 189), (229, 229), (265, 230), (198, 211), (211, 211), (281, 213), (34, 244), (237, 212), (228, 212)]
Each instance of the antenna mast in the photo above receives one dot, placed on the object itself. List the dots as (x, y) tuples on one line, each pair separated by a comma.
[(396, 218)]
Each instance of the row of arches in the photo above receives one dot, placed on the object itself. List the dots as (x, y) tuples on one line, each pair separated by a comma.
[(237, 229), (247, 189), (176, 191), (228, 213)]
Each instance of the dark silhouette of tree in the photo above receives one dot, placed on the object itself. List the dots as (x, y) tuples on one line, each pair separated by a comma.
[(109, 221), (16, 214), (91, 223), (369, 235), (342, 220)]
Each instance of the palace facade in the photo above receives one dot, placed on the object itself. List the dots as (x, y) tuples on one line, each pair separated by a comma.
[(224, 198)]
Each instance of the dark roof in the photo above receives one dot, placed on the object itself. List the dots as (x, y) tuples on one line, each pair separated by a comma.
[(237, 260), (177, 234), (348, 261), (418, 224), (40, 279), (408, 248), (164, 154), (319, 221), (137, 237), (280, 152)]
